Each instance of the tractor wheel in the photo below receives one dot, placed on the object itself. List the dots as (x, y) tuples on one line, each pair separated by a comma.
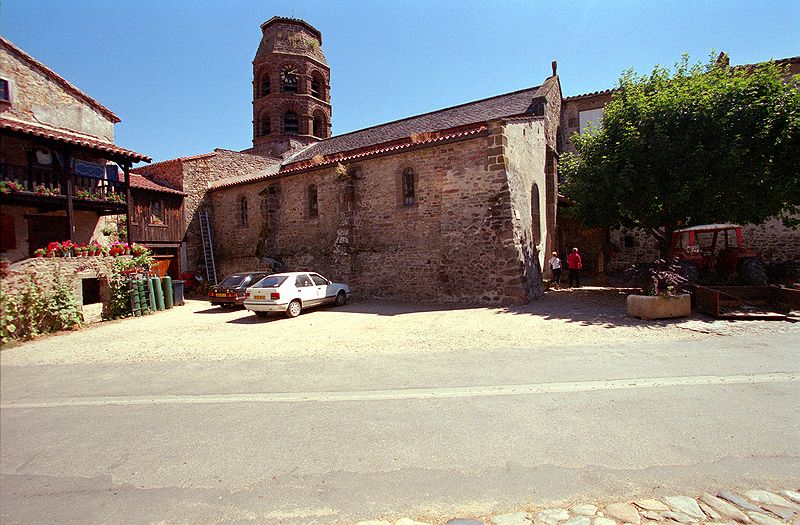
[(752, 272), (688, 271)]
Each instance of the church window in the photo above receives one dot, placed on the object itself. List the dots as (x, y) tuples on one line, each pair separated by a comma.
[(409, 195), (265, 85), (289, 79), (313, 206), (265, 125), (290, 123), (536, 216), (316, 86), (319, 126), (243, 211)]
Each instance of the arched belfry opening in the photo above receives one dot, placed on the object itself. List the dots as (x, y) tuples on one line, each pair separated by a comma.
[(291, 82)]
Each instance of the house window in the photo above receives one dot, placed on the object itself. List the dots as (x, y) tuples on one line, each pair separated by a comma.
[(289, 79), (591, 119), (243, 211), (157, 212), (319, 126), (265, 85), (290, 125), (5, 90), (409, 195), (266, 129), (313, 206)]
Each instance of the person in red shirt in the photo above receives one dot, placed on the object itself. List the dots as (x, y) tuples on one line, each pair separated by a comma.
[(575, 264)]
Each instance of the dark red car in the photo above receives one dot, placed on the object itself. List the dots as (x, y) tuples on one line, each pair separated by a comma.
[(230, 292)]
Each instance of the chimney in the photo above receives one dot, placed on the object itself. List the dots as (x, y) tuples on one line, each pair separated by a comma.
[(555, 67)]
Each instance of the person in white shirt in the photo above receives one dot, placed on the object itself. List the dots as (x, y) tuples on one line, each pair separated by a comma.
[(555, 265)]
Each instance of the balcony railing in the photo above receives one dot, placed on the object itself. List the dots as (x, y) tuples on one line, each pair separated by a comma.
[(45, 182)]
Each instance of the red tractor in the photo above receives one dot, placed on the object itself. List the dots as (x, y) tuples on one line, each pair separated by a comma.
[(716, 250)]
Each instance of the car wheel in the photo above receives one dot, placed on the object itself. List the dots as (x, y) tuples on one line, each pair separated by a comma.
[(261, 315), (294, 308), (341, 298)]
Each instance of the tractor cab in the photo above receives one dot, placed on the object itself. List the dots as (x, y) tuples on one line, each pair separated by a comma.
[(715, 249)]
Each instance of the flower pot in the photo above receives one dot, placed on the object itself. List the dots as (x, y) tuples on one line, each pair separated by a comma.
[(659, 306)]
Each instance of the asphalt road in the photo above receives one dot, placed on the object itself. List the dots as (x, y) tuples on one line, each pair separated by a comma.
[(427, 435)]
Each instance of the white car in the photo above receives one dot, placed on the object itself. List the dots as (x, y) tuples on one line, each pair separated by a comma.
[(291, 292)]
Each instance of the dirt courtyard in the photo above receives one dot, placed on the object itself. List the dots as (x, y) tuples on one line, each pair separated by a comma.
[(197, 331)]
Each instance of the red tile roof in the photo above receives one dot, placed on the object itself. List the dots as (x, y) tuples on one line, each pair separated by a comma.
[(70, 137), (140, 182), (182, 159), (483, 110), (60, 80)]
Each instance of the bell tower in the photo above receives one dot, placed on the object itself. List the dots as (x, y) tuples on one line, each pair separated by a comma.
[(291, 88)]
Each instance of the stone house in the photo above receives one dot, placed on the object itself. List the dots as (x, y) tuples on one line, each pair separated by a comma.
[(61, 173), (617, 249)]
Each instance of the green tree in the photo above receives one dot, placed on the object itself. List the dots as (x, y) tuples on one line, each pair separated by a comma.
[(700, 144)]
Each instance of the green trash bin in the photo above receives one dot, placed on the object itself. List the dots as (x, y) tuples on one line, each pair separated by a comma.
[(166, 285), (158, 292)]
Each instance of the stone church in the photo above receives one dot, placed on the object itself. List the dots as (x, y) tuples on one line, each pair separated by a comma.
[(455, 205)]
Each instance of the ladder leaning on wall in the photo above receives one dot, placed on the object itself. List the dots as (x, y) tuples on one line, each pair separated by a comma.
[(208, 247)]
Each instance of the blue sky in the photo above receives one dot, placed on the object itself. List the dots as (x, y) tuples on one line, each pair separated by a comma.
[(178, 72)]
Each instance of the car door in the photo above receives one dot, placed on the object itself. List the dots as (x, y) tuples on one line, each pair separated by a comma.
[(306, 290), (322, 286)]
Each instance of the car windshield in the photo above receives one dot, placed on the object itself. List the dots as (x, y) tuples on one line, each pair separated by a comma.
[(270, 281), (233, 281)]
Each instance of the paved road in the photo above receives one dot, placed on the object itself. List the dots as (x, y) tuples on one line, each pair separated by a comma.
[(321, 439)]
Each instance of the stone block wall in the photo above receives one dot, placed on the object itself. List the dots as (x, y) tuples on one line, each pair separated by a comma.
[(38, 97), (772, 241), (457, 243)]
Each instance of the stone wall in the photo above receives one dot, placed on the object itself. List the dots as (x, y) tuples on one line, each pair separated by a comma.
[(36, 97), (772, 241), (457, 243), (570, 115), (73, 270), (525, 149)]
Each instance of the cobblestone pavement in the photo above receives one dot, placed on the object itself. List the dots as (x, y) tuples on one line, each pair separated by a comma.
[(757, 507)]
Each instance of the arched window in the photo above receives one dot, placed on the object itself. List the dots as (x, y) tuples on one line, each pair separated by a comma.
[(317, 86), (266, 128), (290, 124), (313, 207), (243, 211), (265, 84), (536, 220), (289, 79), (319, 126), (409, 194)]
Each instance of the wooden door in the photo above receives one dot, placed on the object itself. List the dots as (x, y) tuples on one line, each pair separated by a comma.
[(44, 229)]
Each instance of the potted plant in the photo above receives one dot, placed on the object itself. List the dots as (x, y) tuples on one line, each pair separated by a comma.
[(664, 295), (39, 253)]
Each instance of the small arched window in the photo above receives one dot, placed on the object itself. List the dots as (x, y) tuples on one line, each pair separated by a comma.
[(409, 191), (265, 84), (289, 79), (313, 206), (266, 128), (536, 216), (290, 123), (243, 211), (317, 83), (319, 126)]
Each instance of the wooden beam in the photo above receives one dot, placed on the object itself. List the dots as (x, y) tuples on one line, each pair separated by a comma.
[(64, 167), (126, 169)]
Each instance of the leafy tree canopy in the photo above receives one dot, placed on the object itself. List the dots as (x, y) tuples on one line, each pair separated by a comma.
[(700, 144)]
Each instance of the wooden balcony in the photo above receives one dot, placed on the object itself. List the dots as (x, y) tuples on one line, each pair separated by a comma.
[(46, 189)]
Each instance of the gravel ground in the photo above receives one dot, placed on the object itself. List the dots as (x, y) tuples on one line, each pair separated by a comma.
[(197, 331)]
